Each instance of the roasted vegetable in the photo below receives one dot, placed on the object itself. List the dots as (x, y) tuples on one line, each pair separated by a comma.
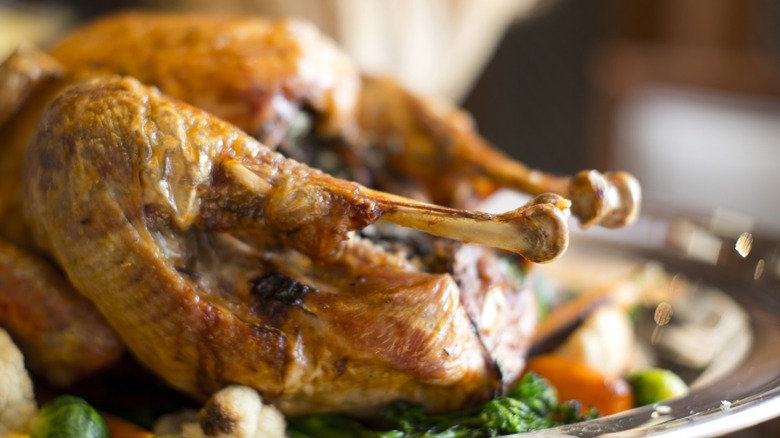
[(576, 381), (653, 385), (68, 416), (121, 428), (531, 405), (17, 402)]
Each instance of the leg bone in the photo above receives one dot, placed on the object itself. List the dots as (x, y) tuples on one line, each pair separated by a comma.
[(238, 183), (610, 199), (538, 231)]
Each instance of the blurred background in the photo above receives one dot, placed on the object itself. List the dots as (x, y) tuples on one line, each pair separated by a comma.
[(685, 94)]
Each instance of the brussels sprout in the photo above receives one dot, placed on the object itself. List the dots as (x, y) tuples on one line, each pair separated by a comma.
[(68, 416), (653, 385)]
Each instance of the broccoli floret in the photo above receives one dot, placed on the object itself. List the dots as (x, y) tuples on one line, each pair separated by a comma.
[(537, 392), (531, 405), (323, 425)]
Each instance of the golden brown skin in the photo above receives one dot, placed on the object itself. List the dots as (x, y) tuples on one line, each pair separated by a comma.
[(275, 213), (247, 70), (298, 69), (28, 78), (257, 74), (61, 334), (203, 309), (253, 72)]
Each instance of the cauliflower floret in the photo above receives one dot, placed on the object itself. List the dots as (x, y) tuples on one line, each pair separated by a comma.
[(604, 341), (234, 412), (17, 403)]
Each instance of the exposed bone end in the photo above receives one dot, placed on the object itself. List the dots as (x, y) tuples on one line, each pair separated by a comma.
[(629, 196), (611, 199), (541, 226), (555, 199)]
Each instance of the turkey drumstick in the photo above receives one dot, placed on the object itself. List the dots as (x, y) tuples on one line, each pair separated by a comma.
[(537, 231), (432, 135)]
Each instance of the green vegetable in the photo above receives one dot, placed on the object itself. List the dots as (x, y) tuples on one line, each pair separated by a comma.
[(531, 405), (653, 385), (326, 425), (68, 416)]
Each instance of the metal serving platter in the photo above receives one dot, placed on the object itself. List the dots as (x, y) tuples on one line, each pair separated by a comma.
[(740, 385)]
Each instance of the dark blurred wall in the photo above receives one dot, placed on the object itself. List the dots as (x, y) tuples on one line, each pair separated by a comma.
[(532, 99), (546, 97), (93, 8)]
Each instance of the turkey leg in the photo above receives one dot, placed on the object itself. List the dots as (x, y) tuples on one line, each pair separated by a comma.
[(428, 135), (538, 231)]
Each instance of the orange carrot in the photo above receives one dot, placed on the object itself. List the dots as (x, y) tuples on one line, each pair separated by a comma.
[(120, 428), (576, 381)]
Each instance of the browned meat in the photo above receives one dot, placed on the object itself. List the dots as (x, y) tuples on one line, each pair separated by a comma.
[(62, 335), (27, 79), (149, 188), (252, 72), (218, 261)]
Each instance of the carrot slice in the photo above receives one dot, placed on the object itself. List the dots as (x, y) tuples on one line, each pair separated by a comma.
[(121, 428), (576, 381)]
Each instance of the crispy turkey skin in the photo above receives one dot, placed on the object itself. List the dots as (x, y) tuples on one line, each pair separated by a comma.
[(201, 284)]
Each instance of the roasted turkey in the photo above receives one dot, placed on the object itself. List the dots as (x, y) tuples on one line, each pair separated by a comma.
[(187, 233)]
